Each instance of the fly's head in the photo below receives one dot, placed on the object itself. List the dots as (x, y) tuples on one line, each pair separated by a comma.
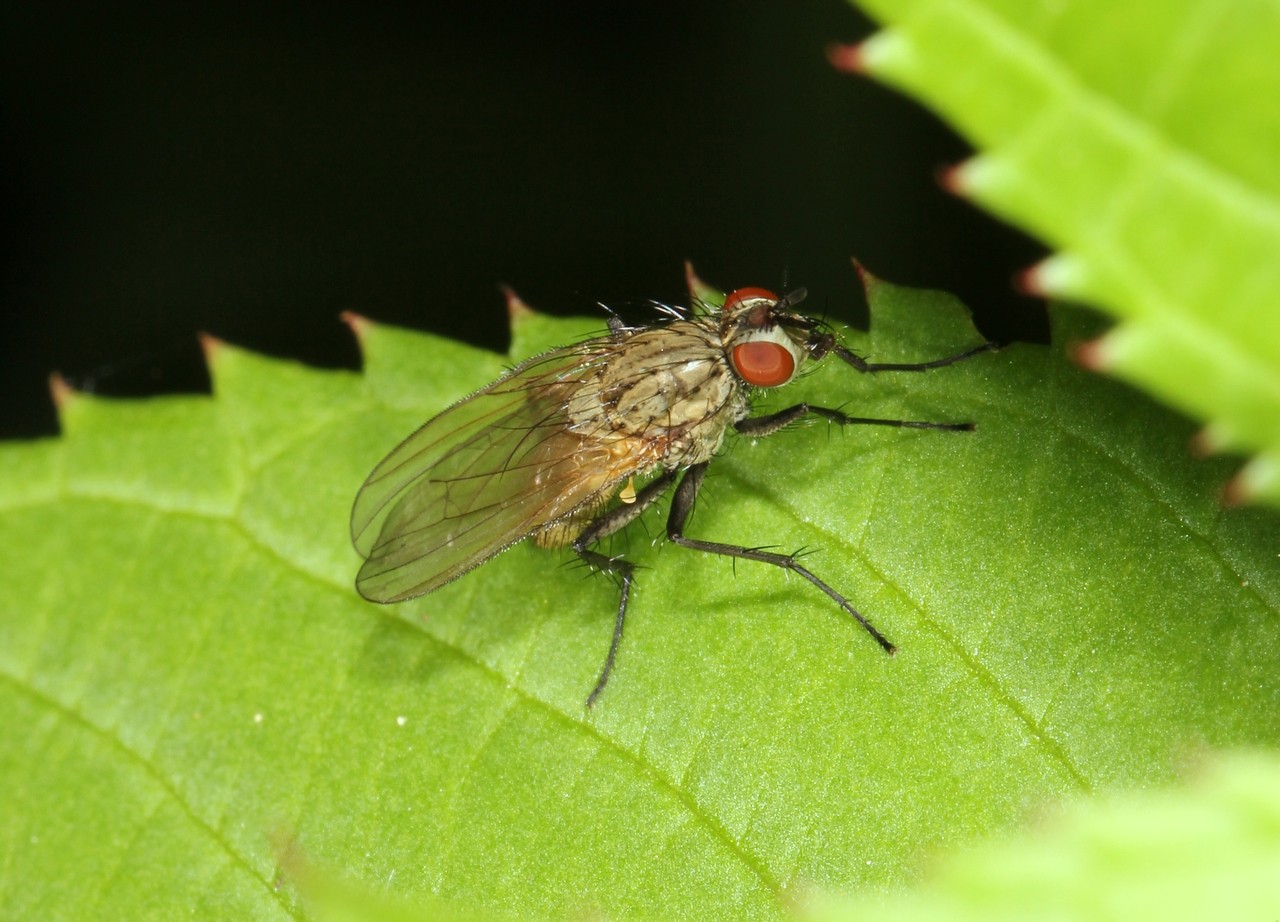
[(766, 340)]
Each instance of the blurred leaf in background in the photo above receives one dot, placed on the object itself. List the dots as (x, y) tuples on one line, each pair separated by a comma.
[(1139, 140)]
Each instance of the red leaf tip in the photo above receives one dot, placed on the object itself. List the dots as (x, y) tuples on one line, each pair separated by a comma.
[(61, 392), (1092, 354), (1202, 444), (955, 178), (868, 278), (692, 282), (1259, 477), (1059, 275), (1236, 491), (210, 345), (1030, 282), (517, 309), (847, 58), (357, 323)]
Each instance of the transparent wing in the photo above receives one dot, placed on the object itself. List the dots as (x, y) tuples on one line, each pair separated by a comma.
[(483, 474)]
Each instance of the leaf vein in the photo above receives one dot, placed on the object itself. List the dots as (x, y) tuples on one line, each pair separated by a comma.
[(151, 772)]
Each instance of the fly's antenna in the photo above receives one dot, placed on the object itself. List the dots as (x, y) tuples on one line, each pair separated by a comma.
[(792, 298)]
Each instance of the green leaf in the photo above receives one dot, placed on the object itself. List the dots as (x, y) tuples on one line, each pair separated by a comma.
[(1139, 139), (1208, 851), (189, 678)]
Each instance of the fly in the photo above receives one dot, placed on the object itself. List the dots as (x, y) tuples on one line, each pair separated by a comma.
[(543, 451)]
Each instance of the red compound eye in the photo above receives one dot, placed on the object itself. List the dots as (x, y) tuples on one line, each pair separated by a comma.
[(740, 295), (763, 364)]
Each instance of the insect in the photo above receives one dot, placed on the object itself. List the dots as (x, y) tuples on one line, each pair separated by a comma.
[(544, 451)]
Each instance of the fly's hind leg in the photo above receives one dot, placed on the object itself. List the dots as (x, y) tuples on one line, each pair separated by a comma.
[(603, 526), (682, 506)]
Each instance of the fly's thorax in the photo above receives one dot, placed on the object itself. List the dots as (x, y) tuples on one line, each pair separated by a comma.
[(669, 388)]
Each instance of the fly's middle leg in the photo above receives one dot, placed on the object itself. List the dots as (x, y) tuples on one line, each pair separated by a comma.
[(602, 527), (682, 506)]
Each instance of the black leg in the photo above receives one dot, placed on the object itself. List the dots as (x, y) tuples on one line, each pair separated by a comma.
[(602, 527), (767, 425), (682, 506), (862, 364)]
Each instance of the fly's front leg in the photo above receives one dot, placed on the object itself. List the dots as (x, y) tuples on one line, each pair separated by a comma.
[(602, 527), (682, 506), (759, 426), (825, 345)]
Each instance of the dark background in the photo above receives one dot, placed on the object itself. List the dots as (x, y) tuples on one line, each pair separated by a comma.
[(254, 172)]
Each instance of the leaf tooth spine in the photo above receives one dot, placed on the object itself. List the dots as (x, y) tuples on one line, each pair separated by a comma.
[(1062, 275), (357, 322), (212, 347), (866, 277), (1258, 478), (359, 325), (1093, 354), (1213, 439), (699, 291), (979, 177), (61, 391), (517, 309), (847, 57), (67, 403), (889, 54)]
